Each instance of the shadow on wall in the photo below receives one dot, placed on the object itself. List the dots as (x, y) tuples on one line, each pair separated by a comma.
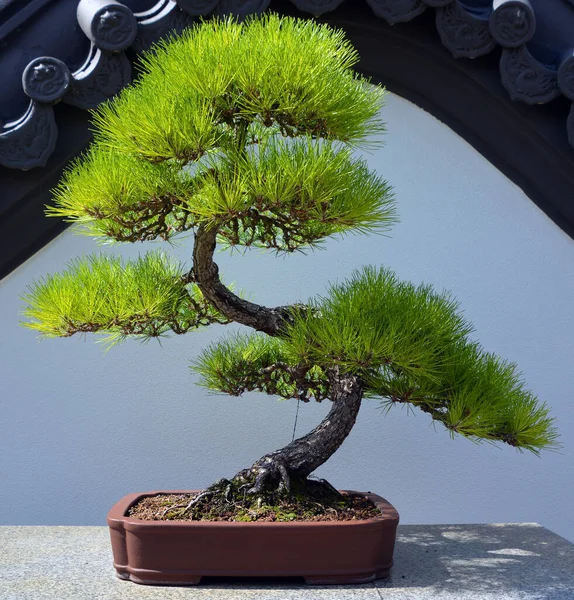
[(522, 560)]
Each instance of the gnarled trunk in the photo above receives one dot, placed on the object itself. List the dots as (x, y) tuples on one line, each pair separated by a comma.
[(300, 458), (206, 276), (290, 466)]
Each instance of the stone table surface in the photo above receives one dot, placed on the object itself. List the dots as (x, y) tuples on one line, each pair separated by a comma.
[(432, 562)]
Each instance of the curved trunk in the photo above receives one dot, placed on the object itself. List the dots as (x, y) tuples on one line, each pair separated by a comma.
[(300, 458), (296, 461), (206, 276)]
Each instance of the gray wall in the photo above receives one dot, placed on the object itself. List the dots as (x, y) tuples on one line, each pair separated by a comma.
[(81, 427)]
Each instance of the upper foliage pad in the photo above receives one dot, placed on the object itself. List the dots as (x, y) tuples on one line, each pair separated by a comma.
[(283, 194), (113, 195), (289, 194), (276, 71), (247, 126)]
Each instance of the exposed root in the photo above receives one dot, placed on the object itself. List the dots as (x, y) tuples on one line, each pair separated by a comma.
[(198, 498), (267, 483), (182, 509), (268, 475), (325, 485), (285, 483)]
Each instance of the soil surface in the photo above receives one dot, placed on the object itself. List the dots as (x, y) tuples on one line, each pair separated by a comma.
[(171, 507)]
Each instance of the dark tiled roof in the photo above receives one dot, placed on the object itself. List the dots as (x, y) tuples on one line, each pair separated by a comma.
[(59, 50), (509, 89)]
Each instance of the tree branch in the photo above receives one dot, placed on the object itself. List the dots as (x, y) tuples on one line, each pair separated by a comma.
[(205, 274)]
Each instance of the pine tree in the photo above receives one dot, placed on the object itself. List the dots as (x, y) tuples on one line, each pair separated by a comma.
[(243, 133)]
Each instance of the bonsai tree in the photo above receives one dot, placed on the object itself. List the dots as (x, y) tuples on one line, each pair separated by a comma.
[(243, 134)]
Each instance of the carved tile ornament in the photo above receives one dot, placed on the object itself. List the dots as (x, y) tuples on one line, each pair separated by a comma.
[(29, 142), (526, 79), (512, 22), (397, 11), (102, 76), (107, 23), (46, 79), (462, 32), (468, 28), (162, 19)]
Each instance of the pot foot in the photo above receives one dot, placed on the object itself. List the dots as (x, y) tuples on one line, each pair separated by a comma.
[(159, 580), (354, 578)]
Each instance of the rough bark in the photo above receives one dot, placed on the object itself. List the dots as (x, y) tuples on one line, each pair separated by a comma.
[(206, 276), (296, 461)]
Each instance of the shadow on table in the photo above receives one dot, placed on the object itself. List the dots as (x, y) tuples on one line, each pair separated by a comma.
[(518, 559), (521, 560)]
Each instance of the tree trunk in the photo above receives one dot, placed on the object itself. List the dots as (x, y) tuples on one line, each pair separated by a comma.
[(297, 460), (206, 276), (289, 467)]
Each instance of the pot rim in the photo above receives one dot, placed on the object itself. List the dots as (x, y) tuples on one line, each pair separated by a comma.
[(117, 517)]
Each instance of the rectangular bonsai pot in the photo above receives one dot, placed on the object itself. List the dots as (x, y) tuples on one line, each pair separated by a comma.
[(182, 552)]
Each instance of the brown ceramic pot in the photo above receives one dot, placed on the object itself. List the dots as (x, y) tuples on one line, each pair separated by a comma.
[(182, 552)]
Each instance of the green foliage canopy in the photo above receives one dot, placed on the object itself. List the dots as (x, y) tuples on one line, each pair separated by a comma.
[(249, 128), (292, 74), (409, 344)]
